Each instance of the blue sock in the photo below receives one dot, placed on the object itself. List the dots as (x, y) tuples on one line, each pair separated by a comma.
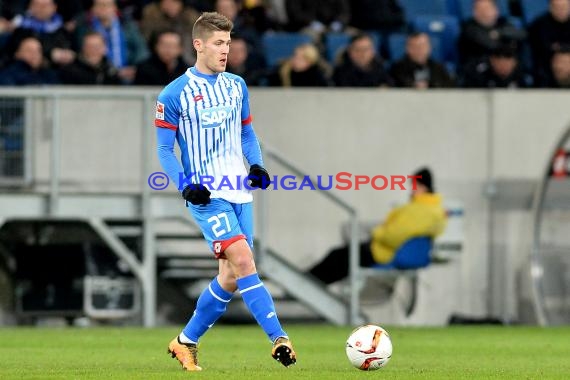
[(211, 305), (260, 305)]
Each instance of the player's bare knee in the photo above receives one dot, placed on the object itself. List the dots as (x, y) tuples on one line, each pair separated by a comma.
[(240, 257), (243, 265)]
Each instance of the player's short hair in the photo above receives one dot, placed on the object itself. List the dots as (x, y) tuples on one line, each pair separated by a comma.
[(210, 22)]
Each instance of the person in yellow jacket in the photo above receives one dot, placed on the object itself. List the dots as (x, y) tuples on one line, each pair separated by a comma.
[(423, 216)]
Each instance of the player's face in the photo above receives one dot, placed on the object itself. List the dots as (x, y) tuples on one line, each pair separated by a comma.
[(213, 52)]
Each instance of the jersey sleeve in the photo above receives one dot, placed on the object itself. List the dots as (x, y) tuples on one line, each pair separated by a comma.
[(249, 142), (166, 121), (250, 146), (167, 112), (165, 149), (246, 117)]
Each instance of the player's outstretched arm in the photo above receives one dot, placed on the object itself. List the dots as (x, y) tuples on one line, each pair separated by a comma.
[(165, 149), (258, 176)]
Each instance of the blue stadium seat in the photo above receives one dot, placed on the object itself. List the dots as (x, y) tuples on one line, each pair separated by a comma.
[(280, 45), (414, 253), (465, 8), (397, 47), (413, 8), (531, 9), (446, 28), (335, 42), (453, 8)]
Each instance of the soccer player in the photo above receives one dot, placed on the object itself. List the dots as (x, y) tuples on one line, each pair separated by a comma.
[(207, 111)]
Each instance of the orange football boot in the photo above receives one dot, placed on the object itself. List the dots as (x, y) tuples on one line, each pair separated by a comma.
[(187, 354)]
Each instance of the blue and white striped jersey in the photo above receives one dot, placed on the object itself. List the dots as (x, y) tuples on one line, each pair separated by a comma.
[(208, 112)]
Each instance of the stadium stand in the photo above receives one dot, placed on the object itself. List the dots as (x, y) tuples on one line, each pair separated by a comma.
[(531, 9), (280, 45), (336, 42), (397, 47), (413, 8), (453, 8), (464, 8), (445, 28)]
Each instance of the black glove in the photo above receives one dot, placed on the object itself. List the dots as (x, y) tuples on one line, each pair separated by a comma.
[(197, 194), (258, 177)]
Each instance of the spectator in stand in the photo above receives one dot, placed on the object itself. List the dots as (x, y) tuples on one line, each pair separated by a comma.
[(68, 9), (485, 32), (546, 35), (501, 70), (201, 5), (131, 9), (242, 26), (91, 67), (7, 12), (42, 21), (28, 66), (245, 62), (277, 13), (171, 14), (384, 16), (256, 14), (316, 17), (417, 69), (560, 69), (305, 68), (360, 65), (126, 46), (166, 62)]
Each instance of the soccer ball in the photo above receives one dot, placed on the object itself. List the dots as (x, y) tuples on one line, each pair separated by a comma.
[(369, 347)]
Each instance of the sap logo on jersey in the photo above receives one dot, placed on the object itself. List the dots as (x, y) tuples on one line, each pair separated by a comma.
[(213, 117)]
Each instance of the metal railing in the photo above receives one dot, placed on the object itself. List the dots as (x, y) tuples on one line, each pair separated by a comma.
[(145, 269), (14, 142), (354, 257)]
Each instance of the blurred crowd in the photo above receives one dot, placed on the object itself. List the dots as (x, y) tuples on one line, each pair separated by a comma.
[(145, 42)]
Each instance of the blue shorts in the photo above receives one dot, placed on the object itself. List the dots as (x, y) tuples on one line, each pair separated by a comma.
[(223, 223)]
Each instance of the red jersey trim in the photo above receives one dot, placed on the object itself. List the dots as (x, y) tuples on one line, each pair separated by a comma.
[(247, 121), (165, 124), (219, 246)]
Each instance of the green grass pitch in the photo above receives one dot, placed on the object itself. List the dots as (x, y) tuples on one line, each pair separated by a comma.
[(242, 352)]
